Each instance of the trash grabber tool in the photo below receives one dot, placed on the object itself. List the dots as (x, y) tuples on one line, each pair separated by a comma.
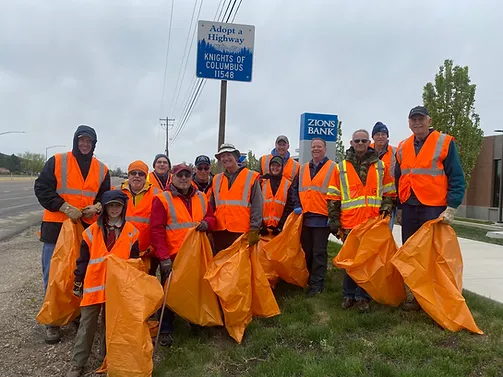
[(166, 286)]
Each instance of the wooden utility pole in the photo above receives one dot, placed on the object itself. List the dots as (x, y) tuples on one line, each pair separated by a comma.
[(165, 123)]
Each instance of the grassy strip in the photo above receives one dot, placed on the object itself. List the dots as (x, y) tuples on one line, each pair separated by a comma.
[(475, 234), (315, 337), (474, 221)]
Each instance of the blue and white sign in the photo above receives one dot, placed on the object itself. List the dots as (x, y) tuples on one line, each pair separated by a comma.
[(322, 126), (225, 51)]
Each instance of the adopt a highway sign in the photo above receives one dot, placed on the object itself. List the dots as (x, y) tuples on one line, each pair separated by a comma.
[(225, 51)]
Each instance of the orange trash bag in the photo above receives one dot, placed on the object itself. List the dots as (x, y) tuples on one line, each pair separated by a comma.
[(270, 272), (366, 255), (60, 305), (230, 278), (189, 294), (263, 301), (286, 255), (432, 266), (132, 297)]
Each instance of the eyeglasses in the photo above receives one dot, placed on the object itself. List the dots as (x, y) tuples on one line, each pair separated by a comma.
[(183, 174), (362, 141), (203, 168), (137, 173)]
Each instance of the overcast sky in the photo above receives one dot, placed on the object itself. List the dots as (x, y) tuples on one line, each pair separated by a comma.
[(101, 63)]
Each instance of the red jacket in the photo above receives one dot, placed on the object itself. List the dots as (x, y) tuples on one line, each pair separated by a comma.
[(158, 221)]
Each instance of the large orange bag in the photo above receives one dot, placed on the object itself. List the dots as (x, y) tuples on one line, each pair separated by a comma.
[(286, 255), (366, 255), (432, 266), (263, 301), (60, 305), (189, 295), (132, 297), (230, 278), (270, 272)]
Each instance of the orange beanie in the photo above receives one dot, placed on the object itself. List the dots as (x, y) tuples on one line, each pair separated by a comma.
[(138, 165)]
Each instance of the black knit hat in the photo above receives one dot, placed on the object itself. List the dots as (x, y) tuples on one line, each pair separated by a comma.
[(158, 156), (380, 127)]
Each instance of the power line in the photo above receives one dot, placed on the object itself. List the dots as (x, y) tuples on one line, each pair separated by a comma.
[(167, 53)]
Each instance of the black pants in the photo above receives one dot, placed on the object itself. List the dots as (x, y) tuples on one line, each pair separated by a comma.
[(314, 242), (223, 239), (413, 217), (167, 324)]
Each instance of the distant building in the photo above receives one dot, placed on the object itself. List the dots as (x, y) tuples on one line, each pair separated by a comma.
[(4, 171), (482, 197)]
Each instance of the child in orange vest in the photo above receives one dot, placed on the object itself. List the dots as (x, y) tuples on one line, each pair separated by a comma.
[(111, 233)]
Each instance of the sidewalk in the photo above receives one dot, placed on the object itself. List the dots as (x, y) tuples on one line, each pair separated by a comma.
[(482, 266)]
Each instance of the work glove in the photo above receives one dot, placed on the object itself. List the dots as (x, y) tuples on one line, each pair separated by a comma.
[(90, 211), (165, 267), (298, 211), (70, 211), (276, 231), (399, 217), (263, 231), (202, 227), (448, 215), (78, 289), (385, 213), (253, 237)]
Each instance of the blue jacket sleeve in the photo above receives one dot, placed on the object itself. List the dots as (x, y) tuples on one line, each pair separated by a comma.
[(455, 177), (295, 192)]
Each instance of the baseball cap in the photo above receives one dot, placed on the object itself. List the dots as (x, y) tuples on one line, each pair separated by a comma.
[(202, 159), (282, 138), (419, 110), (181, 167)]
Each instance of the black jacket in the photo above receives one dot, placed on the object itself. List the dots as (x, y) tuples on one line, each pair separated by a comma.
[(85, 255), (45, 185)]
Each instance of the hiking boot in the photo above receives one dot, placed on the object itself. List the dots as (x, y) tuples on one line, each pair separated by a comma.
[(75, 372), (347, 303), (52, 335), (411, 306), (165, 340), (363, 305), (314, 291)]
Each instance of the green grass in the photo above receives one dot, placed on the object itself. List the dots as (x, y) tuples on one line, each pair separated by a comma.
[(476, 234), (475, 221), (315, 337)]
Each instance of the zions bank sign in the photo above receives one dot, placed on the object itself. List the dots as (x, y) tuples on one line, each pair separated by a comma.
[(318, 125)]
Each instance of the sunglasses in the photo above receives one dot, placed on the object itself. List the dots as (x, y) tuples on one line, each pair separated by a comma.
[(137, 173), (183, 174), (362, 141), (203, 168)]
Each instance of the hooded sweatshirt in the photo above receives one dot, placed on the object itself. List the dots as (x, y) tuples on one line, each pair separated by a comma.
[(104, 223), (46, 183)]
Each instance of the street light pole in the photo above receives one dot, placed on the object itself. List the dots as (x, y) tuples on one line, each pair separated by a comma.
[(52, 146), (500, 193)]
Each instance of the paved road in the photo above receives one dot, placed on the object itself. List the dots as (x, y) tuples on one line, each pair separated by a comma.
[(19, 208)]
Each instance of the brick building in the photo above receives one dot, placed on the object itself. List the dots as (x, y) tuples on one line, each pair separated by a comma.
[(482, 197)]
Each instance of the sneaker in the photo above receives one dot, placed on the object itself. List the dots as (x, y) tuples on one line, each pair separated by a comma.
[(165, 340), (411, 306), (347, 303), (75, 372), (52, 335), (314, 291), (363, 306)]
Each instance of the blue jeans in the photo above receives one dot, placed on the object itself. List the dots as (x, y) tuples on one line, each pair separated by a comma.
[(352, 290), (47, 251), (413, 217)]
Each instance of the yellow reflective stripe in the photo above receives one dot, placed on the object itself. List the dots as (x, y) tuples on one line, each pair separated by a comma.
[(333, 191)]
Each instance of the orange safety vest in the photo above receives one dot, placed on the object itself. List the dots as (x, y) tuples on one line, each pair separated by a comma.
[(274, 205), (361, 202), (313, 193), (179, 220), (424, 173), (70, 185), (152, 178), (139, 215), (290, 169), (233, 205), (389, 158), (94, 281)]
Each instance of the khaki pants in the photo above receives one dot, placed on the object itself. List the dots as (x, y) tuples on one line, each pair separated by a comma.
[(89, 318)]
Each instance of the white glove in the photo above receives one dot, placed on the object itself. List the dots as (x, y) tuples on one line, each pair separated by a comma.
[(448, 215)]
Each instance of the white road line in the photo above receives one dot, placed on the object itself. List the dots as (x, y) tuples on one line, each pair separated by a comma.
[(19, 197), (18, 206)]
